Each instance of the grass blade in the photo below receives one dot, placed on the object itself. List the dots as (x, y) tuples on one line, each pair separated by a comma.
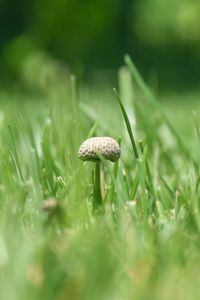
[(128, 125), (14, 154), (92, 130), (150, 97)]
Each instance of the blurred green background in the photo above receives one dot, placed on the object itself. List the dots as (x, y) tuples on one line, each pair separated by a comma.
[(91, 37)]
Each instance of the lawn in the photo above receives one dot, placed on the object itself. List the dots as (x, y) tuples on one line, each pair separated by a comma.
[(143, 242)]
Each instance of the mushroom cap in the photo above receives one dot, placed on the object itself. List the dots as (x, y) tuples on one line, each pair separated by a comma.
[(105, 146), (50, 204)]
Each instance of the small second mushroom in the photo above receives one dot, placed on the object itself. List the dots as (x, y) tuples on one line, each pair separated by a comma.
[(94, 148)]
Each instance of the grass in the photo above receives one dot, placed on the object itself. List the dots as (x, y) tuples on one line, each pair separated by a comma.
[(146, 243)]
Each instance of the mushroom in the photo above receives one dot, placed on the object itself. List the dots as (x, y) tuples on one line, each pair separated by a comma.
[(97, 149), (49, 204)]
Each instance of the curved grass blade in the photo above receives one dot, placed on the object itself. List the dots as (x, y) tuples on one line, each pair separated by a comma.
[(128, 125), (92, 130), (149, 96)]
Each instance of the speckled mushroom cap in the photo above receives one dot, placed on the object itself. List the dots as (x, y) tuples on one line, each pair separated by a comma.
[(105, 146)]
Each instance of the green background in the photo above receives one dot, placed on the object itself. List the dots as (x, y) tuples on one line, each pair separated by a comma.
[(163, 37)]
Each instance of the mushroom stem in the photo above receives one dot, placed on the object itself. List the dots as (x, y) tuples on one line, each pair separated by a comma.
[(97, 200), (102, 184)]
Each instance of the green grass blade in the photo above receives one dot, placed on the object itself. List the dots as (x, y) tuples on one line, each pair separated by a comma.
[(92, 130), (150, 97), (128, 125), (14, 154)]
